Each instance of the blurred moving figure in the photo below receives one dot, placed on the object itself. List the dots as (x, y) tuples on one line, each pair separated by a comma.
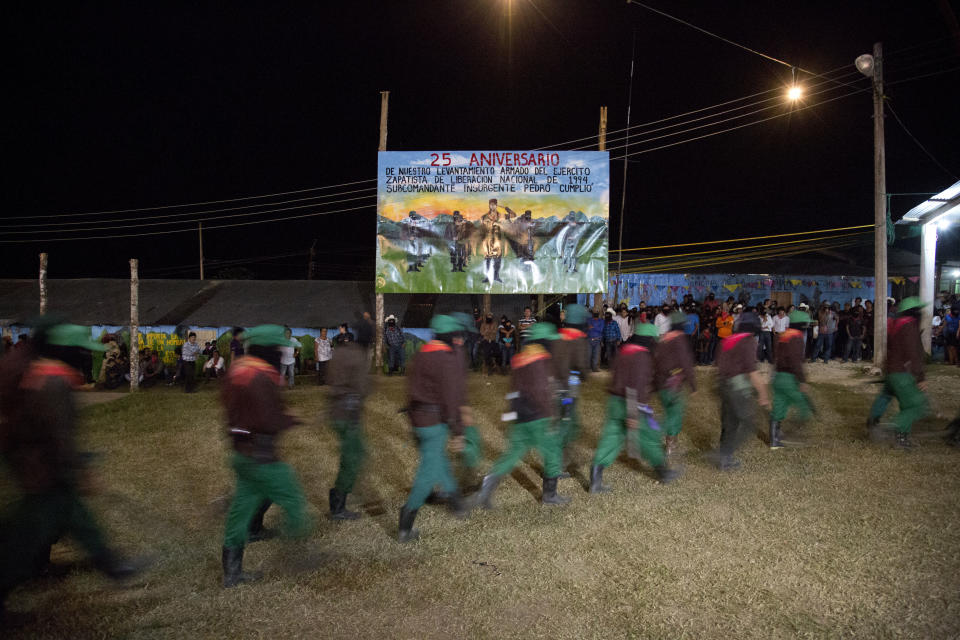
[(37, 440)]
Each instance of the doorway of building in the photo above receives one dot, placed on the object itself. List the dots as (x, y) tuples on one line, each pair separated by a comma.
[(782, 298)]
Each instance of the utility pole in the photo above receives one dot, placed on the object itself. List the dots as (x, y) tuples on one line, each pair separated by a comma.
[(879, 215), (626, 163), (378, 341), (43, 283), (601, 146), (200, 238), (134, 325)]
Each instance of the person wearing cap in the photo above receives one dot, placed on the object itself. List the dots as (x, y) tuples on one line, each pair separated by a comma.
[(349, 387), (255, 414), (673, 369), (435, 396), (457, 234), (571, 360), (629, 416), (470, 453), (394, 339), (38, 425), (738, 379), (789, 381), (903, 374), (534, 406)]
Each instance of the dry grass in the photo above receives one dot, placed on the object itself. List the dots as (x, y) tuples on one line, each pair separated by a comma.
[(837, 539)]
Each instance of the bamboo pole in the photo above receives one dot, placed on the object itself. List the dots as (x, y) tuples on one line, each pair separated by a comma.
[(134, 325)]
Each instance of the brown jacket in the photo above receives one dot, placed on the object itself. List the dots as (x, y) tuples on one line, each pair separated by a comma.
[(435, 387), (531, 377), (904, 351), (251, 396), (632, 369), (39, 425), (349, 381), (789, 354), (570, 353), (673, 360), (738, 355)]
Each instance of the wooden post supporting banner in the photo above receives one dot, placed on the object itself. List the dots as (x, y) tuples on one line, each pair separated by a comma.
[(879, 216), (43, 283), (601, 146), (134, 325), (378, 341), (486, 304)]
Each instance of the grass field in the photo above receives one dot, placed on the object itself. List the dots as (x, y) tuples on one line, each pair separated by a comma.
[(841, 538)]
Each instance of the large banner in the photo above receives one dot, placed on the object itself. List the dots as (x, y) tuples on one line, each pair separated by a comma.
[(492, 221)]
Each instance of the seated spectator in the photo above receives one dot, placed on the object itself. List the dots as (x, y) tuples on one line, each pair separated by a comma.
[(213, 367), (507, 341)]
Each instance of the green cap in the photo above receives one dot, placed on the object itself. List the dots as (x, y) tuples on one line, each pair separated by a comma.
[(911, 302), (267, 335), (677, 317), (799, 317), (73, 335), (445, 324), (542, 331), (577, 314), (646, 330), (465, 320)]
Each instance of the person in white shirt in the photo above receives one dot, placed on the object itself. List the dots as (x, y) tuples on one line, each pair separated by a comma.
[(623, 321), (213, 367), (288, 357), (765, 342), (322, 352), (662, 321)]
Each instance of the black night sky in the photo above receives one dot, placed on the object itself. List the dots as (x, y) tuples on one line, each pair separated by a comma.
[(133, 105)]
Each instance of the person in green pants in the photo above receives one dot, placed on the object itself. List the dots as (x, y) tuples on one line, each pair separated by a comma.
[(629, 417), (789, 381), (255, 418), (570, 355), (904, 376), (349, 384), (434, 393), (38, 425), (673, 369), (534, 408)]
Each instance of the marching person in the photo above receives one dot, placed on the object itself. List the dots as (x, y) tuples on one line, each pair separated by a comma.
[(571, 360), (673, 362), (38, 444), (904, 377), (738, 379), (629, 417), (349, 386), (434, 391), (469, 455), (255, 418), (532, 400), (789, 381)]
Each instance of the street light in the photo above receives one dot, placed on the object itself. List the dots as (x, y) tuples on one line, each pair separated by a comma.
[(795, 93), (872, 67)]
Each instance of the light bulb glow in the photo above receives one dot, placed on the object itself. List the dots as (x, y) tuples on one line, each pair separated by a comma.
[(956, 273), (795, 93), (944, 224)]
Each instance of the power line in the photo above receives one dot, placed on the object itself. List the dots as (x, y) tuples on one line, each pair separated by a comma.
[(194, 204), (233, 215), (189, 213), (189, 230), (779, 235), (772, 244), (914, 138)]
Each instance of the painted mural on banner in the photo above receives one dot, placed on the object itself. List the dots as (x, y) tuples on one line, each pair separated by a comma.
[(492, 221)]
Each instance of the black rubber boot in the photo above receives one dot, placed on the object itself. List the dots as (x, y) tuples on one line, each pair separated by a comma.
[(459, 507), (119, 568), (665, 474), (550, 495), (407, 532), (233, 573), (596, 480), (903, 441), (487, 488), (256, 531), (775, 442), (338, 507)]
